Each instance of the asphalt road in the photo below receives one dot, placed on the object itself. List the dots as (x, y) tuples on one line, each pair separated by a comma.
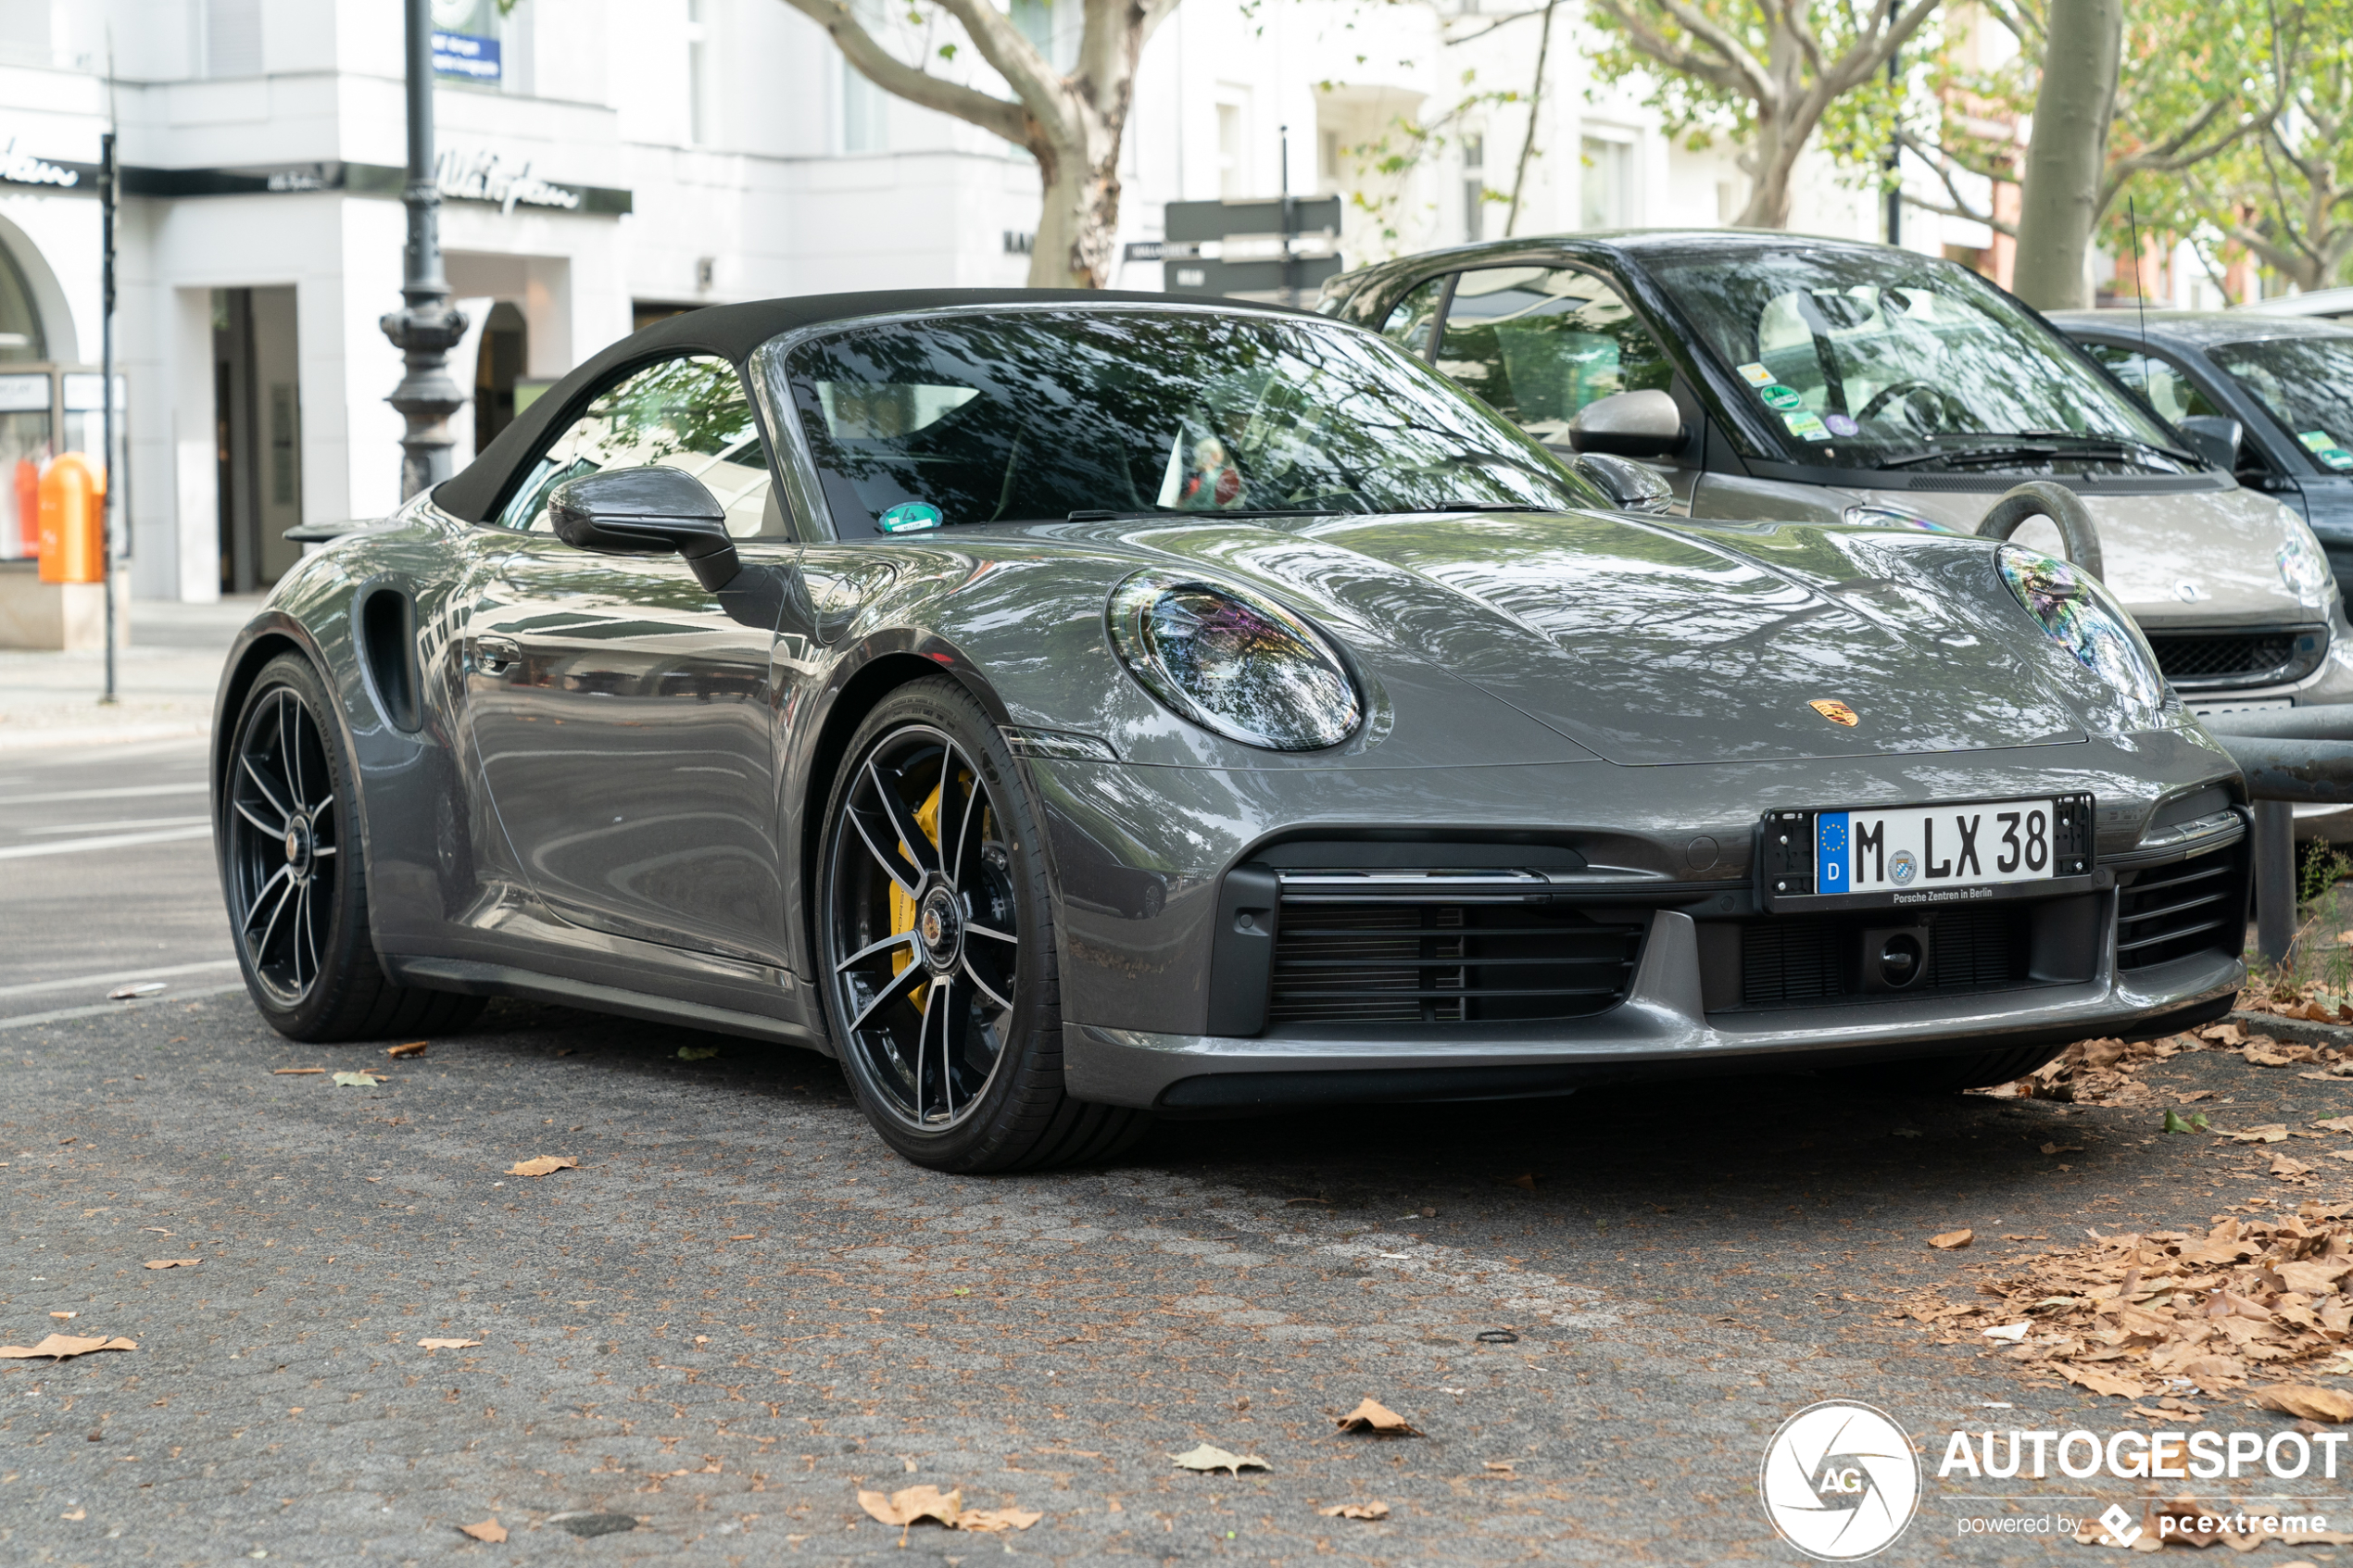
[(105, 875), (739, 1308)]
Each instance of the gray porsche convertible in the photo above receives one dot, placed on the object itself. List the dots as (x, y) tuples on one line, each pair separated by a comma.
[(1069, 708)]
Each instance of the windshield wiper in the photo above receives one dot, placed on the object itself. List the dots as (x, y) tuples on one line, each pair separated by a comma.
[(1481, 507), (2040, 443)]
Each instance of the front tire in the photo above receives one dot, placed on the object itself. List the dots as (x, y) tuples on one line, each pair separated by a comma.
[(936, 931), (293, 877)]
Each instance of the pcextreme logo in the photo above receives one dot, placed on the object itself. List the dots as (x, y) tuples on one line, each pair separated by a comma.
[(1840, 1481)]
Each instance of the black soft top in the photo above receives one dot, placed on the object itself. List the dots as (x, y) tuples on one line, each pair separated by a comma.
[(2197, 329), (732, 331)]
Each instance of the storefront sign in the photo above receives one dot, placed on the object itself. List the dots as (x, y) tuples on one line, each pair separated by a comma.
[(480, 177), (461, 54), (24, 394), (23, 168)]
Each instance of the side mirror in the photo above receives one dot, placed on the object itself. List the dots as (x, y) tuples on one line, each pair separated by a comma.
[(2215, 438), (1629, 425), (1631, 486), (648, 510)]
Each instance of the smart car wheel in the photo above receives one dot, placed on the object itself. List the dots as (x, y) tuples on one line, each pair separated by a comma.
[(292, 872), (936, 938)]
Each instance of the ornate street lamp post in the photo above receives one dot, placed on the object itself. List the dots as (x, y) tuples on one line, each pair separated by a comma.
[(427, 328)]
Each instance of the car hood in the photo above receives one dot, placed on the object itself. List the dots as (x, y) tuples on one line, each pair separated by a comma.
[(1653, 642)]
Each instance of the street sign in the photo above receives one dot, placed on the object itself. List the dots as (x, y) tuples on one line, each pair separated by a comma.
[(1278, 251)]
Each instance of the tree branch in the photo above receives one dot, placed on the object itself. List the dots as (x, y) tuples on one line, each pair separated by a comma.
[(1044, 94), (1677, 57), (894, 76)]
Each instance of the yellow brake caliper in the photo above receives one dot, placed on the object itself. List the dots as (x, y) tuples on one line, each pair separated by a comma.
[(902, 907)]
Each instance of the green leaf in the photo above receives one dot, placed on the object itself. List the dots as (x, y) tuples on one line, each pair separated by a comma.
[(697, 1053), (2176, 1122)]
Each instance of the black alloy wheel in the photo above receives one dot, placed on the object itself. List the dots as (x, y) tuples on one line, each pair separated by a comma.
[(284, 833), (936, 940), (294, 878)]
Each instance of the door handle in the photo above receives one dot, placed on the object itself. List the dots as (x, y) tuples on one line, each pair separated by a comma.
[(495, 656)]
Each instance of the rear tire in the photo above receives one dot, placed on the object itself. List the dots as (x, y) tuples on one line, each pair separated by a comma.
[(1951, 1074), (941, 987), (295, 879)]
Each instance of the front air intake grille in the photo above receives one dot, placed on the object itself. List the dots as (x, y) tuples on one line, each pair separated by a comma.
[(1796, 960), (2178, 910), (2266, 656), (1429, 961)]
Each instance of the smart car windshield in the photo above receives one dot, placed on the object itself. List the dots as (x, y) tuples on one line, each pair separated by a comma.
[(1024, 416), (2304, 382), (1888, 359)]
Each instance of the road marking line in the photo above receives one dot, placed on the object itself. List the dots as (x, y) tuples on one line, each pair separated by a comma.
[(106, 841), (122, 792), (116, 977), (125, 824), (64, 1013)]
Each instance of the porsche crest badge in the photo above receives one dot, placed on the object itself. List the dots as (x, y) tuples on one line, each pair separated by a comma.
[(1836, 711)]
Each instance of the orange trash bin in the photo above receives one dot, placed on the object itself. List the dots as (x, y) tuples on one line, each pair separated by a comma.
[(73, 521)]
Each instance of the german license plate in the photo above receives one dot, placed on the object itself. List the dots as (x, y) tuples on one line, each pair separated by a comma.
[(1921, 848)]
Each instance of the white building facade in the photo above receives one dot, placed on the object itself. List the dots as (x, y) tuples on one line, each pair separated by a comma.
[(605, 162)]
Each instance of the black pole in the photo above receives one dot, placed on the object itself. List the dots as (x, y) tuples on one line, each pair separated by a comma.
[(113, 470), (1894, 173), (1291, 267), (427, 328)]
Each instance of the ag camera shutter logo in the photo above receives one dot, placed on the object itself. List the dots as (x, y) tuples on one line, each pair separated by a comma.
[(1840, 1481)]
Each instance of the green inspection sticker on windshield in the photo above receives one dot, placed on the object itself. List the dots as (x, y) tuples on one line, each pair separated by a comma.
[(2324, 446), (908, 516), (1807, 426), (1781, 397)]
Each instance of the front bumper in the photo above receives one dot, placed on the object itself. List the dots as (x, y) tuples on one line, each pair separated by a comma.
[(1661, 1028)]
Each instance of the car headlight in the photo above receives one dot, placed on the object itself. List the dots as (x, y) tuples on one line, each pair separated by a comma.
[(2302, 566), (2079, 616), (1234, 663)]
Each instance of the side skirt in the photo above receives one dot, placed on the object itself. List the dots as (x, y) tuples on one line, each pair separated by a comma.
[(479, 979)]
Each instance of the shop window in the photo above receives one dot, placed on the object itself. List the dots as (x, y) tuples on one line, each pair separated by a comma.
[(469, 42), (498, 365)]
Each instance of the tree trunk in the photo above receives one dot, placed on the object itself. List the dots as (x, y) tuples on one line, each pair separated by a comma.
[(1078, 220), (1769, 193), (2064, 163)]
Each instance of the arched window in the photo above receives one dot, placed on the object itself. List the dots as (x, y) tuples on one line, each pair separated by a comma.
[(21, 339)]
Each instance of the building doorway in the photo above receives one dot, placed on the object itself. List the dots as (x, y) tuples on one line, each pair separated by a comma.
[(257, 414), (498, 365)]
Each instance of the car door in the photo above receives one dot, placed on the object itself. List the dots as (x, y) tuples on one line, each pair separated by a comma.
[(621, 715)]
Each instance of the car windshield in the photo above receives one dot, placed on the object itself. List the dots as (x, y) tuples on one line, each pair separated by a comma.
[(1024, 416), (1885, 358), (2304, 382)]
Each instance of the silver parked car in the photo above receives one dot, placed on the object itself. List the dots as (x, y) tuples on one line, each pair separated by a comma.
[(1764, 376)]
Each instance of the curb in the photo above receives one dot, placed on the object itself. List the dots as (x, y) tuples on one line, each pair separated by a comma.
[(2295, 1030)]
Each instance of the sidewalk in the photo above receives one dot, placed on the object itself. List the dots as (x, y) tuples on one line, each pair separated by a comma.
[(164, 681)]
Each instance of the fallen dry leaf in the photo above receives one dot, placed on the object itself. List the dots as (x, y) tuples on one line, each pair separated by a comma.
[(65, 1314), (543, 1166), (488, 1530), (993, 1521), (360, 1080), (455, 1345), (1526, 1180), (2287, 1169), (2193, 1097), (1508, 1469), (77, 1515), (63, 1346), (2062, 1148), (414, 1047), (2271, 1132), (1951, 1241), (1295, 1202), (2013, 1331), (1375, 1417), (2302, 1399), (1355, 1511), (294, 1072), (2222, 1034), (743, 1238), (173, 1262), (2337, 1124), (1208, 1458)]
